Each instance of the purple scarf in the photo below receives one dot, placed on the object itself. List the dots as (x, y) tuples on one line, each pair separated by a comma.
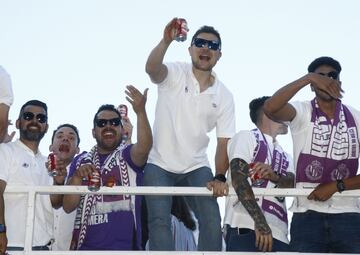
[(280, 164), (333, 149)]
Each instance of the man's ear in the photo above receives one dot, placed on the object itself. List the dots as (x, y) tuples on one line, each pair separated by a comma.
[(93, 133), (312, 87), (17, 124), (51, 147), (77, 150), (219, 56)]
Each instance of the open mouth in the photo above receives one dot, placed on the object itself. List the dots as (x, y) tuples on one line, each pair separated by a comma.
[(204, 57), (64, 148)]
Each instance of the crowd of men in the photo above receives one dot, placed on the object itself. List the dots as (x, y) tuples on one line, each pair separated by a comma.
[(191, 102)]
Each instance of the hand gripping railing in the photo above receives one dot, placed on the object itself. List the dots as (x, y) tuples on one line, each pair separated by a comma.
[(173, 191)]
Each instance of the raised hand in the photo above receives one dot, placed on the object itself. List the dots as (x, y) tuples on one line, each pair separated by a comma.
[(136, 99)]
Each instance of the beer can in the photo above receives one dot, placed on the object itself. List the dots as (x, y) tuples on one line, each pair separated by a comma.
[(181, 30), (123, 113), (123, 110), (94, 181), (51, 164), (254, 175)]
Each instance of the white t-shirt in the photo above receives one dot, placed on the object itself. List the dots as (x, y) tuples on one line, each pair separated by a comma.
[(63, 228), (6, 93), (301, 128), (242, 145), (21, 167), (184, 116)]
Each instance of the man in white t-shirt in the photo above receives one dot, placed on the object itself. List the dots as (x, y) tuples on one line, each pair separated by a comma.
[(258, 223), (6, 100), (325, 134), (22, 164), (192, 101), (65, 145)]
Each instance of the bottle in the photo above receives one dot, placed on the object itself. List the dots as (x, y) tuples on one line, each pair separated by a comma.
[(94, 181)]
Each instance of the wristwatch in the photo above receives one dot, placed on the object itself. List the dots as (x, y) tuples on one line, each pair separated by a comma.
[(2, 228), (340, 185), (220, 177)]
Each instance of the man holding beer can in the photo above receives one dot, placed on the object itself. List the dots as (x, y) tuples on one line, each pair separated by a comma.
[(257, 160), (192, 101), (110, 222)]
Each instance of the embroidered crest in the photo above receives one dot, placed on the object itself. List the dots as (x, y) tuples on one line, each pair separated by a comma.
[(314, 170)]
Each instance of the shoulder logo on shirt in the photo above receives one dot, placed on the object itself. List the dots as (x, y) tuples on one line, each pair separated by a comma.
[(186, 89), (214, 105), (26, 165)]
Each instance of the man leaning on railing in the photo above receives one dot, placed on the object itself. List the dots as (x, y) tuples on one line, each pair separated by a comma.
[(27, 168)]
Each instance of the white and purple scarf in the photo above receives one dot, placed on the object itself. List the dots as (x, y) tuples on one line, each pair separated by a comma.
[(333, 149), (114, 166), (280, 164)]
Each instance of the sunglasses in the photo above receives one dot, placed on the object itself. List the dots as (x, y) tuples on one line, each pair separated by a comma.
[(103, 122), (201, 43), (333, 75), (40, 117)]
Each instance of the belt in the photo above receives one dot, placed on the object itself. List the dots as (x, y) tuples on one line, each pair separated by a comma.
[(239, 231)]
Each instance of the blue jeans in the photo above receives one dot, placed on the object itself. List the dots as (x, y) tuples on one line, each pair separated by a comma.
[(243, 239), (205, 208), (325, 233)]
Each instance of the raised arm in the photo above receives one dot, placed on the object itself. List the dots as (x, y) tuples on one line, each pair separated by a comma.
[(154, 64), (140, 150), (278, 108), (239, 176), (4, 122)]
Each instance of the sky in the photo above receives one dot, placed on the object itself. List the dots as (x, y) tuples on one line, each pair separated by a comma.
[(76, 55)]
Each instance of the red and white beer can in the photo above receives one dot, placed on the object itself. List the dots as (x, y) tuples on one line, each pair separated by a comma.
[(181, 30), (94, 181), (51, 164), (254, 175)]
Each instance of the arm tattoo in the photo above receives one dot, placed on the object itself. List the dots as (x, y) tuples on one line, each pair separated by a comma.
[(239, 176)]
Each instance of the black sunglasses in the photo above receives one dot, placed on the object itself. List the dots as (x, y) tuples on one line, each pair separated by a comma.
[(103, 122), (201, 43), (40, 117), (333, 75)]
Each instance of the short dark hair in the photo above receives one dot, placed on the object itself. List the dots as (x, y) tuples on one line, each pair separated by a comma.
[(209, 30), (256, 106), (34, 103), (324, 61), (106, 107), (69, 126)]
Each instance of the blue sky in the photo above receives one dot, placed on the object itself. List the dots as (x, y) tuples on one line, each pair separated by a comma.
[(78, 54)]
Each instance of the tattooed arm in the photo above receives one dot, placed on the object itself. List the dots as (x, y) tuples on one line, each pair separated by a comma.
[(239, 176)]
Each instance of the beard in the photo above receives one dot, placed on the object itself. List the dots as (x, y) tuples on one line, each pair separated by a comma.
[(34, 136), (109, 147)]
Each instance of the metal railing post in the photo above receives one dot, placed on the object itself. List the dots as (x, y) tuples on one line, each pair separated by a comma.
[(29, 231)]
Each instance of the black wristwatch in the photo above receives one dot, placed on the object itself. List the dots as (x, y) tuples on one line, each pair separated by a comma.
[(220, 177), (2, 228), (340, 185)]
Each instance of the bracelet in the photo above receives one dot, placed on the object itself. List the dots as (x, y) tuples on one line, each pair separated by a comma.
[(220, 177)]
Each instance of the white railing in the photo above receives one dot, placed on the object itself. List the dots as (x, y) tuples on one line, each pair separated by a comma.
[(188, 191)]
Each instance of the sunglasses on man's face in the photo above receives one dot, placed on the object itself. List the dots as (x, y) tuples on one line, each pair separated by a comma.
[(40, 117), (201, 43), (103, 122), (333, 75)]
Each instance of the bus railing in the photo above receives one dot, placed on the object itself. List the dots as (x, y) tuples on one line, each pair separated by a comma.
[(32, 191)]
